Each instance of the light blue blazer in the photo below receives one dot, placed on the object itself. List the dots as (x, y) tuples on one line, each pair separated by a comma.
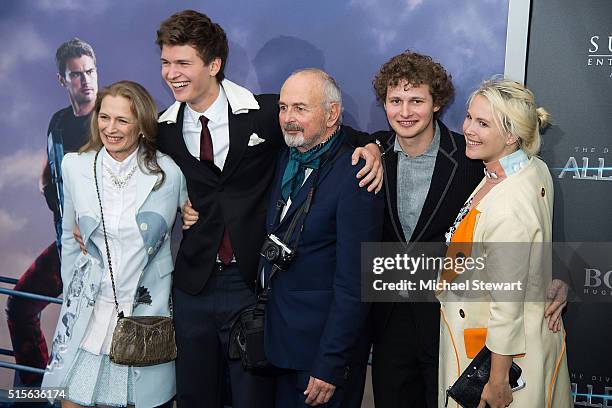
[(82, 274)]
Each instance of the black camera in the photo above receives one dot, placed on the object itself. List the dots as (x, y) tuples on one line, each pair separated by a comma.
[(277, 252)]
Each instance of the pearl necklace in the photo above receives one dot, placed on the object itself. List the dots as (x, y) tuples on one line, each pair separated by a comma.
[(118, 181)]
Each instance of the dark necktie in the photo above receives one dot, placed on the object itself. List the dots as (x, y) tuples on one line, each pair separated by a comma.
[(206, 154), (206, 148)]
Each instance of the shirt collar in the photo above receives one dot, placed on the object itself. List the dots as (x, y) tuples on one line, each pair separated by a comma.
[(432, 150), (214, 113), (514, 162), (118, 167), (240, 100)]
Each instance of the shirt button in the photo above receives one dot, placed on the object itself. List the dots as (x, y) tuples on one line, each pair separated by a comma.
[(150, 251), (462, 313), (144, 226), (543, 192)]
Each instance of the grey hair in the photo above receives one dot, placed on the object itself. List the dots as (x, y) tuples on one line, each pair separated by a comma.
[(331, 90)]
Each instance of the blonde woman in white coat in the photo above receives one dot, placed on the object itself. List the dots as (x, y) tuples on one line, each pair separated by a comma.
[(507, 221)]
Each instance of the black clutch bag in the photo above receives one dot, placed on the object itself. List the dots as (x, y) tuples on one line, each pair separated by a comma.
[(468, 387)]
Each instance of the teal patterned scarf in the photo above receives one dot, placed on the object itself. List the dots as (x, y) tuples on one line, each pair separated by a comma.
[(293, 178)]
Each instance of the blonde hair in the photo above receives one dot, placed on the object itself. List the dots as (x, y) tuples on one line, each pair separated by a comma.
[(515, 111), (145, 111)]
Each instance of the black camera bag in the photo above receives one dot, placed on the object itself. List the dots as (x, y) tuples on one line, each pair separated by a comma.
[(246, 341)]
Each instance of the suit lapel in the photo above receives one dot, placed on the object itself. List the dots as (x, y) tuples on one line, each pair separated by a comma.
[(176, 144), (88, 225), (275, 194), (144, 186), (442, 178), (177, 134), (239, 127), (390, 169)]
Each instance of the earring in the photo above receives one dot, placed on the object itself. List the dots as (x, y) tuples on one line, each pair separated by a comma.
[(141, 135)]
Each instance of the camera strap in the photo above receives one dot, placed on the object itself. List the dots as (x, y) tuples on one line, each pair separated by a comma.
[(298, 216)]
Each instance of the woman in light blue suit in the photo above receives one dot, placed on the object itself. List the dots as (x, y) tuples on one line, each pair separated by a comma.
[(140, 190)]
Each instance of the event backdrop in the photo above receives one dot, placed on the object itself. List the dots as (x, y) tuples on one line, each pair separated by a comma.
[(569, 68), (268, 40)]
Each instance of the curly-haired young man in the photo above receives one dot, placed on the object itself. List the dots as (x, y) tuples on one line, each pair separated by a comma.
[(428, 178)]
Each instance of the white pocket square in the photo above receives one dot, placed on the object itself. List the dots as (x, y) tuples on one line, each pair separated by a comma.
[(254, 140)]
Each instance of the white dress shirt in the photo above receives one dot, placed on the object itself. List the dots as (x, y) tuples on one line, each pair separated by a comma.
[(127, 251), (218, 125)]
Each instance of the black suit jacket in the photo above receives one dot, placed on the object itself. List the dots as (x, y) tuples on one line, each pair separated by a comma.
[(236, 197), (454, 178)]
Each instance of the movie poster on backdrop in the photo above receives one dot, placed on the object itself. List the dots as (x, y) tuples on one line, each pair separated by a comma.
[(569, 68), (58, 54)]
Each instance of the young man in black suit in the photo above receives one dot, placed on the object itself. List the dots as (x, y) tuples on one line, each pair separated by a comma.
[(428, 178), (226, 141)]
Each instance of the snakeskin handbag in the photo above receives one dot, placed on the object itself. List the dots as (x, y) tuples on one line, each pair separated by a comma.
[(138, 341)]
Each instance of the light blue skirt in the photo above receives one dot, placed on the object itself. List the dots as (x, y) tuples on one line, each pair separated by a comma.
[(95, 380)]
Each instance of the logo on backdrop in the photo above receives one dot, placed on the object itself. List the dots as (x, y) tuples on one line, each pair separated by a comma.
[(597, 282), (591, 390), (600, 53), (587, 163)]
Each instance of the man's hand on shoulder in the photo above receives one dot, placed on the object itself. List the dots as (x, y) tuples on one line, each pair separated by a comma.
[(318, 392), (372, 170)]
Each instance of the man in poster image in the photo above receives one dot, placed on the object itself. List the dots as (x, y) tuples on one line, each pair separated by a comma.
[(68, 131), (226, 141)]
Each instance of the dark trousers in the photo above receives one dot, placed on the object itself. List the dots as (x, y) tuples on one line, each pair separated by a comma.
[(202, 324), (405, 357), (290, 389), (23, 315)]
